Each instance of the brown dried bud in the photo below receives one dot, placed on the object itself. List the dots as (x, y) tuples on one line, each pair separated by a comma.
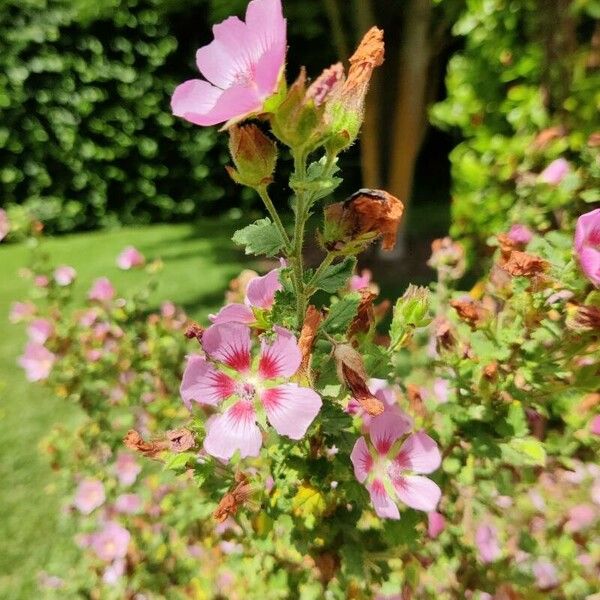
[(365, 316), (490, 371), (594, 139), (470, 311), (328, 565), (312, 320), (443, 334), (369, 55), (415, 399), (134, 441), (544, 137), (363, 217), (233, 499), (180, 440), (194, 330), (351, 372), (523, 264)]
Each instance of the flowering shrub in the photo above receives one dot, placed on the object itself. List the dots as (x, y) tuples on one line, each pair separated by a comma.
[(317, 451)]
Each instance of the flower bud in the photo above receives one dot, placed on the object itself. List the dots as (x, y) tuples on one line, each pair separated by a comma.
[(366, 215), (254, 155), (447, 258), (411, 311)]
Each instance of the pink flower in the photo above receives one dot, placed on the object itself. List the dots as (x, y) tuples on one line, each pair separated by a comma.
[(4, 224), (127, 468), (360, 282), (64, 275), (242, 64), (595, 425), (228, 372), (386, 470), (520, 234), (21, 311), (441, 390), (555, 172), (260, 295), (102, 290), (89, 496), (486, 538), (40, 330), (37, 362), (587, 245), (41, 281), (168, 310), (581, 517), (110, 543), (113, 572), (435, 524), (128, 504), (129, 258), (545, 574)]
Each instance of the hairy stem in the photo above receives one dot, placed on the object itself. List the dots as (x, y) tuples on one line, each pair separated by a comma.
[(264, 194)]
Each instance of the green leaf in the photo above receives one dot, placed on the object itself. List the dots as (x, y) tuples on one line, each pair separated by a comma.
[(335, 276), (524, 452), (341, 314), (178, 461), (334, 419), (261, 237)]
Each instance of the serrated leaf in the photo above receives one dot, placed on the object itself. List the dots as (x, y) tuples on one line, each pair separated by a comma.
[(334, 419), (308, 501), (259, 238), (341, 314), (335, 276), (178, 461), (524, 452)]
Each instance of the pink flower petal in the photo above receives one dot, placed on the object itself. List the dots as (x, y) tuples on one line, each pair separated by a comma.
[(227, 56), (261, 290), (203, 106), (435, 524), (384, 506), (419, 453), (202, 383), (386, 428), (282, 357), (486, 538), (589, 258), (291, 408), (418, 492), (361, 459), (230, 344), (236, 429), (234, 313)]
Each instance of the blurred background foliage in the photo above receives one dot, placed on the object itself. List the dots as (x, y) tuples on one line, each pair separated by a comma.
[(87, 139)]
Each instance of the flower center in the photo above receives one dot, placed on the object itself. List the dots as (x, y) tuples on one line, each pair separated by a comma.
[(246, 391)]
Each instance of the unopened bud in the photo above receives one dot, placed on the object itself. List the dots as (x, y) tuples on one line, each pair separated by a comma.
[(254, 155), (411, 311)]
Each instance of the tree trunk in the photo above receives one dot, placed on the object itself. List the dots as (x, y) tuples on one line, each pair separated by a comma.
[(409, 124)]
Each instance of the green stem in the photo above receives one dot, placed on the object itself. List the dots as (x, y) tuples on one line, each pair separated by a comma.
[(329, 258), (264, 194), (298, 241)]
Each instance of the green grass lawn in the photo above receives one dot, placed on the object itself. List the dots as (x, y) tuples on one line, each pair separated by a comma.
[(198, 263)]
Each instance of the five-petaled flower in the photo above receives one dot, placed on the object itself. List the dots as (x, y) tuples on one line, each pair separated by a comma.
[(386, 466), (249, 390), (242, 64)]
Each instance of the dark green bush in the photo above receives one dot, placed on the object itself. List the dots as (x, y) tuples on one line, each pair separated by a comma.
[(86, 134)]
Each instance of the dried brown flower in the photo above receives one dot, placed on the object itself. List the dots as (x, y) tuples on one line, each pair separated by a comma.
[(523, 264), (415, 399), (134, 441), (490, 371), (365, 316), (312, 320), (443, 334), (180, 440), (351, 372), (544, 137), (194, 330), (369, 55), (233, 499), (470, 311)]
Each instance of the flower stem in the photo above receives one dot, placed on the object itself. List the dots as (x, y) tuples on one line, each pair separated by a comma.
[(264, 194)]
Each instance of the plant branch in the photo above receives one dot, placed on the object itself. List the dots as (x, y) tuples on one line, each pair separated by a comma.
[(264, 194)]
